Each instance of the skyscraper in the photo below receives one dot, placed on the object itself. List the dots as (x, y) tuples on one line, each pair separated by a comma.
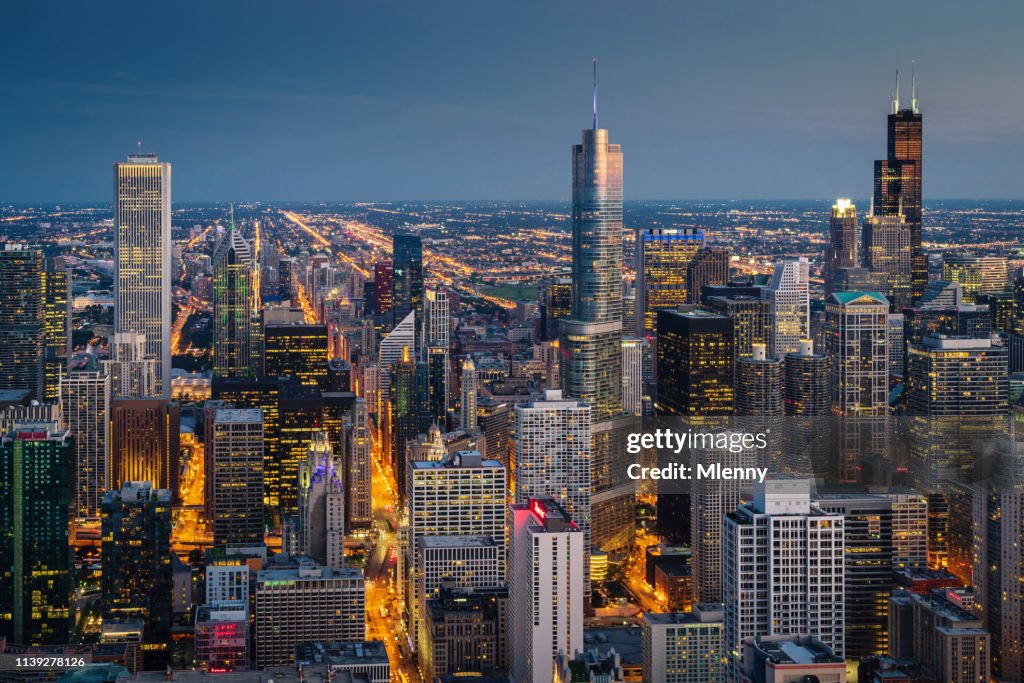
[(57, 295), (806, 396), (632, 375), (35, 561), (384, 282), (407, 287), (436, 350), (137, 580), (296, 350), (695, 364), (85, 403), (663, 257), (469, 390), (759, 384), (144, 442), (142, 241), (978, 275), (402, 336), (591, 337), (752, 320), (857, 339), (897, 186), (546, 585), (768, 545), (132, 374), (684, 648), (789, 291), (358, 473), (233, 266), (236, 469), (22, 319), (321, 506), (710, 266), (887, 257), (842, 242), (553, 455)]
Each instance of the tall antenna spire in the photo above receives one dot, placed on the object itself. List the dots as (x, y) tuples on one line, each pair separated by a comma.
[(232, 215), (138, 144), (913, 87), (595, 93), (896, 95)]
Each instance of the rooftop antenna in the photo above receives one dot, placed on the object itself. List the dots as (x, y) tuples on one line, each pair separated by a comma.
[(871, 210), (913, 88), (138, 145), (232, 215), (896, 95), (595, 93)]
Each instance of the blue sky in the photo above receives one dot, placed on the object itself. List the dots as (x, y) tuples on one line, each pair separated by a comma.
[(482, 100)]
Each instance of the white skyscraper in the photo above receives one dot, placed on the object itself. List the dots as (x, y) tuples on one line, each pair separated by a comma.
[(789, 291), (553, 455), (633, 375), (132, 373), (468, 398), (85, 404), (142, 241), (546, 586), (783, 567), (402, 336), (462, 495), (435, 318), (321, 505)]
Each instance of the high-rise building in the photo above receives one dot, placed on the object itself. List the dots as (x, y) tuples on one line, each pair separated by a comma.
[(461, 495), (144, 442), (296, 350), (881, 533), (85, 404), (789, 291), (222, 637), (407, 286), (842, 242), (759, 384), (663, 257), (384, 282), (782, 658), (546, 586), (465, 631), (591, 338), (556, 305), (633, 375), (359, 470), (684, 648), (997, 514), (752, 320), (947, 636), (142, 244), (857, 340), (469, 384), (957, 376), (710, 266), (897, 185), (402, 336), (132, 373), (301, 411), (235, 457), (233, 299), (978, 275), (306, 603), (137, 580), (22, 319), (35, 560), (553, 455), (695, 364), (494, 419), (768, 546), (807, 396), (436, 318), (887, 256), (321, 506), (57, 295)]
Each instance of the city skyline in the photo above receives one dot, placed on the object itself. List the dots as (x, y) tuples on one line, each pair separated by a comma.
[(330, 130)]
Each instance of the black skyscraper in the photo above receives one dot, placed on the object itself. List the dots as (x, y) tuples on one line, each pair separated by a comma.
[(408, 277)]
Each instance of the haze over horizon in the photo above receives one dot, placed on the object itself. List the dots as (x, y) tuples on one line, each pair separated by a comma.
[(253, 101)]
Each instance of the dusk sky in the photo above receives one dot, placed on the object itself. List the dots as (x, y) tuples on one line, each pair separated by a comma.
[(482, 100)]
